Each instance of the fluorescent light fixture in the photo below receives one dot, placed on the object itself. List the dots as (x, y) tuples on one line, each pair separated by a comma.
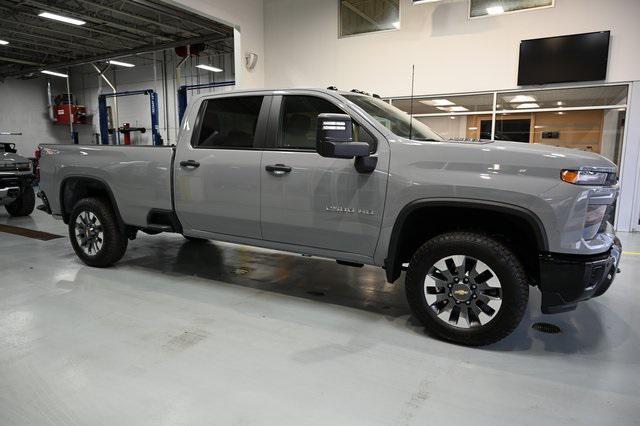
[(57, 74), (3, 42), (529, 105), (522, 98), (396, 24), (121, 64), (473, 128), (438, 102), (209, 68), (61, 18), (424, 1), (456, 108), (495, 10)]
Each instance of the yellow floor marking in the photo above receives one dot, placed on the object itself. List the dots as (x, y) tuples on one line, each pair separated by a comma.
[(632, 253)]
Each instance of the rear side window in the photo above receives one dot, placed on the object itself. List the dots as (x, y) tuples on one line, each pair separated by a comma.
[(230, 122), (299, 121)]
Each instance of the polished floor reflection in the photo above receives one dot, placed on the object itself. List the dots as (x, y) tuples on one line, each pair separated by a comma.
[(188, 333)]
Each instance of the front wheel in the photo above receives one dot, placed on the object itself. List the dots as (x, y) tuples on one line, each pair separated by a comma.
[(467, 288), (95, 234)]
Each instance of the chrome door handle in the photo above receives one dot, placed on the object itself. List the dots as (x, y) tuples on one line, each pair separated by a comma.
[(278, 169)]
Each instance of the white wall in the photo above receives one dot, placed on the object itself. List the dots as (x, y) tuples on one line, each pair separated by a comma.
[(23, 108), (451, 53), (246, 16)]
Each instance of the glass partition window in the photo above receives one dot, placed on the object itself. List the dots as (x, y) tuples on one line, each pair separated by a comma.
[(366, 16), (563, 98), (587, 118), (482, 102), (479, 8)]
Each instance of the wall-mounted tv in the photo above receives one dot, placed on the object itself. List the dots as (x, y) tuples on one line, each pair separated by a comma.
[(564, 59)]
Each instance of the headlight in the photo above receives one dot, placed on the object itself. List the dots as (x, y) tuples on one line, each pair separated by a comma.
[(585, 177), (593, 220)]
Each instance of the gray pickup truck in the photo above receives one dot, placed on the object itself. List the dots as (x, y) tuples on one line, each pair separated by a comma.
[(16, 177), (347, 176)]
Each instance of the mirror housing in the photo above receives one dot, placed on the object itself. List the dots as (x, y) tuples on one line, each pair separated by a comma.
[(333, 138)]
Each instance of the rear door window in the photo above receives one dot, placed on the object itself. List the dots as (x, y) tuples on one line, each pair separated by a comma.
[(229, 123)]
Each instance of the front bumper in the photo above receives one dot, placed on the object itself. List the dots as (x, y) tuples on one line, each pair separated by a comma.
[(566, 280), (11, 186)]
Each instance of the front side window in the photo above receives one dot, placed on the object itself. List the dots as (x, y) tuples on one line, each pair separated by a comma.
[(399, 122), (230, 122), (299, 122)]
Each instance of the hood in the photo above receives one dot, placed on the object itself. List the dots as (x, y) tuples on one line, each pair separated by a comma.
[(11, 160), (514, 154), (548, 155), (489, 160)]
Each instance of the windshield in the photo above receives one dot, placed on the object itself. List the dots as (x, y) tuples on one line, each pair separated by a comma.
[(394, 119)]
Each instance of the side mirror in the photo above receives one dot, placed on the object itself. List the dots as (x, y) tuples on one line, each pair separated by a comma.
[(334, 138)]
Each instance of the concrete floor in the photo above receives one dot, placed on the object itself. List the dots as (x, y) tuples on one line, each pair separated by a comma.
[(182, 333)]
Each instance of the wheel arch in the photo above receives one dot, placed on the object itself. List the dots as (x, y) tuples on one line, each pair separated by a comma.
[(75, 188), (409, 232)]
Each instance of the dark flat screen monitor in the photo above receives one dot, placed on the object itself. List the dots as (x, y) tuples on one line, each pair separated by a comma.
[(564, 59)]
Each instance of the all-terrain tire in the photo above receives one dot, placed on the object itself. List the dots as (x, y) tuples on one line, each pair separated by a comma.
[(24, 204), (499, 258), (114, 240)]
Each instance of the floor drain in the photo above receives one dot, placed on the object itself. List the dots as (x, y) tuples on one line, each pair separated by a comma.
[(545, 327), (316, 293)]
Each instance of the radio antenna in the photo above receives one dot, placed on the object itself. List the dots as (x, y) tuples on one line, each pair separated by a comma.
[(413, 77)]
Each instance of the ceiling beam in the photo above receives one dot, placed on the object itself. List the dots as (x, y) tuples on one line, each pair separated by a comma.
[(14, 39), (89, 29), (138, 17), (75, 45), (174, 13), (82, 37), (360, 13), (123, 53), (18, 61), (113, 23)]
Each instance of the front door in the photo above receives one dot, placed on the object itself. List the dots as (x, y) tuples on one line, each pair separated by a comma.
[(314, 201), (217, 175)]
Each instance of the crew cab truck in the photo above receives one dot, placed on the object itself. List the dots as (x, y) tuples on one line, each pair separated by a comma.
[(16, 178), (349, 177)]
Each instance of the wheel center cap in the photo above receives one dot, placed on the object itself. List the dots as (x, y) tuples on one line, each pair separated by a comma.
[(461, 292)]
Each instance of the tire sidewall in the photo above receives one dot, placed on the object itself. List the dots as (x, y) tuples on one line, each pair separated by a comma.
[(510, 281), (24, 204), (111, 240)]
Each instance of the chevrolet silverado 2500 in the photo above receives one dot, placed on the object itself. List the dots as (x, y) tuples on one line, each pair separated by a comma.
[(347, 176)]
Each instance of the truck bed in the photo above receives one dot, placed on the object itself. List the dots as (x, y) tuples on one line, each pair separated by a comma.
[(138, 177)]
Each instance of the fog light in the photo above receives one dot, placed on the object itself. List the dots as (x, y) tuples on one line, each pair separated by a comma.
[(594, 217)]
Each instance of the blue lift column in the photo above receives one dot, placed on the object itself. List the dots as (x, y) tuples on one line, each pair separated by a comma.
[(183, 90), (104, 122)]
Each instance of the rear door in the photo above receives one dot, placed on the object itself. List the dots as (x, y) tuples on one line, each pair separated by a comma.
[(217, 172), (315, 201)]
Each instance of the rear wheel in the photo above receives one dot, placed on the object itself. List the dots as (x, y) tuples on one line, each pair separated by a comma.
[(95, 234), (24, 204), (467, 288)]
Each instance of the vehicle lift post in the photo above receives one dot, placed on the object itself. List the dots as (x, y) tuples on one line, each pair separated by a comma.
[(104, 123), (184, 89)]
